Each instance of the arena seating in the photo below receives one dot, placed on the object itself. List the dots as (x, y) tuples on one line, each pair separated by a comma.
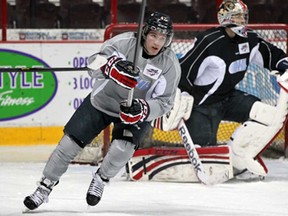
[(80, 14), (11, 22), (178, 11), (89, 14), (261, 11)]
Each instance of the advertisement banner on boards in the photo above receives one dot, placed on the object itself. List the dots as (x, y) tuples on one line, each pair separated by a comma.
[(43, 98)]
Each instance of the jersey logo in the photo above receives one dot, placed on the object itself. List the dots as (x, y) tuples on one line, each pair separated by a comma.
[(244, 48), (152, 71)]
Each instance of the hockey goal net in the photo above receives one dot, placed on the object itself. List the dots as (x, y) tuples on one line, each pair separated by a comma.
[(257, 81)]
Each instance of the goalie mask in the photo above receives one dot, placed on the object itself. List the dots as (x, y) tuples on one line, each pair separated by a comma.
[(161, 23), (234, 15)]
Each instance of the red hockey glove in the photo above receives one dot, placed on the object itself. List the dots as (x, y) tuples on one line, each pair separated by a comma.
[(121, 71), (138, 111)]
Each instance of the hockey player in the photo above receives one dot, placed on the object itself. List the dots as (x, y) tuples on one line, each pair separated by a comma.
[(154, 91), (210, 71)]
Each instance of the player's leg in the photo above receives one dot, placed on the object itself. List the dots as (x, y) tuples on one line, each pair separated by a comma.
[(203, 124), (126, 138), (238, 107), (84, 125)]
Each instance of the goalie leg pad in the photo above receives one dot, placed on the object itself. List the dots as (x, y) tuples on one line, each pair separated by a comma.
[(252, 137), (246, 143), (171, 164), (263, 113)]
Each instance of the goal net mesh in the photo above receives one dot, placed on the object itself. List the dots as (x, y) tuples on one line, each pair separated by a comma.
[(257, 81)]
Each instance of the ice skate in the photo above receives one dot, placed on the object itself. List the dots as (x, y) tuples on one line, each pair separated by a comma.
[(248, 176), (40, 195), (95, 190)]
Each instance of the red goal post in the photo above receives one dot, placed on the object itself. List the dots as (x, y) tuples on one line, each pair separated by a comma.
[(257, 82)]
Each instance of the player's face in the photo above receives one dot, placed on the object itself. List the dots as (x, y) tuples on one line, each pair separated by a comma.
[(238, 19), (154, 42)]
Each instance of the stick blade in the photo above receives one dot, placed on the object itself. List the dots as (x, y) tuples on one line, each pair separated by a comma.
[(96, 61)]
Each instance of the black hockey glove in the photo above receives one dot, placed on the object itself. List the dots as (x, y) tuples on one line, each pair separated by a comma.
[(121, 71), (137, 112)]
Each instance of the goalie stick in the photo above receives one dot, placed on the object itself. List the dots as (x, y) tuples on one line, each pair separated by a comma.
[(214, 178), (138, 40)]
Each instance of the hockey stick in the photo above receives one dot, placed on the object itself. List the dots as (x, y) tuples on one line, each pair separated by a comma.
[(138, 40), (37, 69), (215, 178), (97, 62)]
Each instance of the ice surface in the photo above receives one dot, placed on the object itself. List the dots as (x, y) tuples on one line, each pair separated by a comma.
[(126, 198)]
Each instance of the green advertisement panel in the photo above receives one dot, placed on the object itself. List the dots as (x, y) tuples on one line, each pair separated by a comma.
[(24, 93)]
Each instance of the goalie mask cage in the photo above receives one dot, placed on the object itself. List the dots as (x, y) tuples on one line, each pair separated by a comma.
[(257, 82)]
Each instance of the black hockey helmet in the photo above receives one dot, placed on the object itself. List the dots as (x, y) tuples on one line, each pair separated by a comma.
[(161, 23)]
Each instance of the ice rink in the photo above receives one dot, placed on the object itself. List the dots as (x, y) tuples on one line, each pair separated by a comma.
[(126, 198)]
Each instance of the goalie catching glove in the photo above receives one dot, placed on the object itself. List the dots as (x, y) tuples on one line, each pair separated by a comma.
[(182, 109), (121, 71), (137, 112)]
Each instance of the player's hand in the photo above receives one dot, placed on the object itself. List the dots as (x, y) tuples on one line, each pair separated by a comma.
[(121, 71), (137, 112)]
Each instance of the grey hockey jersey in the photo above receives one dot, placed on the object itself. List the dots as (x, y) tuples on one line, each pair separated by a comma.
[(157, 81)]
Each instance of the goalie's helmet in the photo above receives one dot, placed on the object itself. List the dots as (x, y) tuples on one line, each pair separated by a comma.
[(161, 23), (234, 15)]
